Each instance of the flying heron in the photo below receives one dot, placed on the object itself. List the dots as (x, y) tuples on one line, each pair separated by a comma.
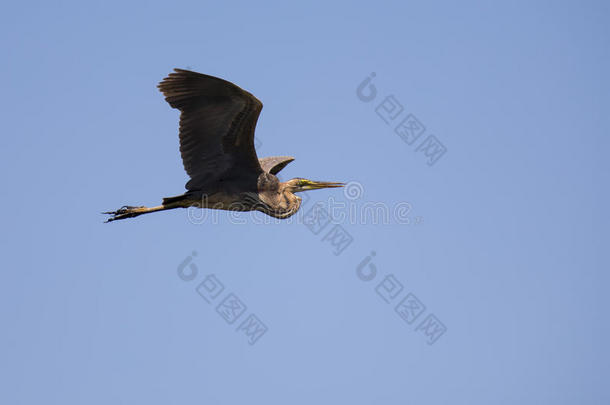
[(217, 122)]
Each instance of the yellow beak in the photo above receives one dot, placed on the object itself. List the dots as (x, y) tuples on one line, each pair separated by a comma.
[(305, 185)]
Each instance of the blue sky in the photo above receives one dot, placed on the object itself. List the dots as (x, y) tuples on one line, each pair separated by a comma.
[(500, 242)]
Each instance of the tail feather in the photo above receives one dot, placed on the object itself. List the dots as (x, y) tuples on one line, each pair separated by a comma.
[(171, 200)]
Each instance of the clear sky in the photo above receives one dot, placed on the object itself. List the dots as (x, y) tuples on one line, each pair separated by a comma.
[(483, 134)]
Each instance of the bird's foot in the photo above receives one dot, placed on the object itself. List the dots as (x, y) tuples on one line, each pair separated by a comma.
[(126, 211)]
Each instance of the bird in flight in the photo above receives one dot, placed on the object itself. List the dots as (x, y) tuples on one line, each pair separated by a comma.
[(217, 122)]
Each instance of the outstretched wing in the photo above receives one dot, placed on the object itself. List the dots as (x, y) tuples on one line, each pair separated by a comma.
[(217, 123), (274, 164)]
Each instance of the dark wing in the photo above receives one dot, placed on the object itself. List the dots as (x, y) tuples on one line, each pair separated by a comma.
[(274, 164), (217, 124)]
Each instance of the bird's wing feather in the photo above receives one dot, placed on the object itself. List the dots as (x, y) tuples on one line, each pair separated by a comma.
[(274, 164), (217, 123)]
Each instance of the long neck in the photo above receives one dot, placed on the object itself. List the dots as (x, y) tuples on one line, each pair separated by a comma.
[(286, 206)]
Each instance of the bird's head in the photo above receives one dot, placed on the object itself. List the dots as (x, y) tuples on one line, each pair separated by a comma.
[(297, 185)]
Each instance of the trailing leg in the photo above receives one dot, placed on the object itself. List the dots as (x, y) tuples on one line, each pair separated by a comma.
[(128, 211)]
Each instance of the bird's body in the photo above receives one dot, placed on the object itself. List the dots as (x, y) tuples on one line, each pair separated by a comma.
[(268, 195), (217, 124)]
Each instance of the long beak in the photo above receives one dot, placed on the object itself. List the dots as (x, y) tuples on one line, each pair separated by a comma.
[(316, 185)]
